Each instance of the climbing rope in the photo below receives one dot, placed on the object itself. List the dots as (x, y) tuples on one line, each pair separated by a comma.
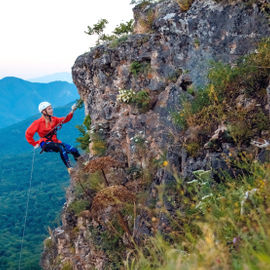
[(27, 206)]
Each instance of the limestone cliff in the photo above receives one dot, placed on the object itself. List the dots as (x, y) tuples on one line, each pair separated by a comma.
[(170, 50)]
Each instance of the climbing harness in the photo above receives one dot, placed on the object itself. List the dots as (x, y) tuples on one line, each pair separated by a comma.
[(27, 206), (52, 132)]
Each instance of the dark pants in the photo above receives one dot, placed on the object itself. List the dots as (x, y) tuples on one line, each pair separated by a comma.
[(63, 148)]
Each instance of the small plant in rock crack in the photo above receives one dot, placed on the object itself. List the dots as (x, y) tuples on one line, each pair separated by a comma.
[(84, 140), (139, 139), (111, 200), (137, 67), (140, 99), (97, 139), (102, 164), (126, 96)]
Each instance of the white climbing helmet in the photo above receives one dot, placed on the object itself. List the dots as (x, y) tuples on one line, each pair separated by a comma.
[(43, 105)]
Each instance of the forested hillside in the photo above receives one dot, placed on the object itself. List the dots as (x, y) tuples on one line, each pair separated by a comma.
[(50, 179)]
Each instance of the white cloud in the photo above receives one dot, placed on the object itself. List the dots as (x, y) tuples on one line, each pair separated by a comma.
[(44, 37)]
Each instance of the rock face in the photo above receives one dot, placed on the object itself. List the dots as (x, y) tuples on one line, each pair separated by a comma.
[(175, 52), (170, 50)]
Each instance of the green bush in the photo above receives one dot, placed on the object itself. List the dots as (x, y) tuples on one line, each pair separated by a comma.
[(137, 67), (120, 31), (78, 206), (185, 4), (124, 28), (111, 243), (48, 243), (84, 129), (99, 145), (140, 99), (214, 225), (223, 99), (116, 42), (67, 266)]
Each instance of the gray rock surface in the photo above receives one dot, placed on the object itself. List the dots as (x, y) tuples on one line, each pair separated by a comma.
[(174, 52)]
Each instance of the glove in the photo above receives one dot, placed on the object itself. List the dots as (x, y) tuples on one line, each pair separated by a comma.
[(36, 146), (74, 107)]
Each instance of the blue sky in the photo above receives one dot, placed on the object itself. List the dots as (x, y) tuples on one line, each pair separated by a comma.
[(42, 37)]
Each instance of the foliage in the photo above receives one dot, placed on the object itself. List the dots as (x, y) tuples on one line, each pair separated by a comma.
[(192, 148), (214, 225), (98, 144), (48, 243), (185, 4), (111, 200), (118, 41), (93, 182), (137, 67), (140, 99), (47, 193), (146, 22), (67, 266), (79, 103), (101, 163), (124, 28), (126, 96), (97, 28), (173, 76), (119, 32), (232, 97), (84, 140), (46, 200), (110, 243), (78, 206)]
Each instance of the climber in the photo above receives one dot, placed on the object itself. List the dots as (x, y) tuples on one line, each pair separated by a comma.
[(46, 127)]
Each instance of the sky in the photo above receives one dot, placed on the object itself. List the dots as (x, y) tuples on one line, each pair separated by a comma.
[(41, 37)]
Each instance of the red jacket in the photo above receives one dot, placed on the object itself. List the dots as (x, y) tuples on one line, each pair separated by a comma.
[(39, 126)]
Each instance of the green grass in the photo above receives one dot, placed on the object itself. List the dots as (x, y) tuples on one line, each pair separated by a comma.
[(222, 231)]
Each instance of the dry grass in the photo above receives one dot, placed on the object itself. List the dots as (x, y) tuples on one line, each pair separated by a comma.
[(110, 201), (184, 4), (102, 163)]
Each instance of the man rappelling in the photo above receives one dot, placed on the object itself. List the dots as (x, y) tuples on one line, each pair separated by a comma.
[(46, 127)]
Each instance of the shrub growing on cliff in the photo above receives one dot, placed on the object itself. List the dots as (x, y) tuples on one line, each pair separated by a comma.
[(84, 140), (140, 99), (227, 230), (185, 4), (119, 31), (67, 266), (235, 95), (78, 206), (137, 67)]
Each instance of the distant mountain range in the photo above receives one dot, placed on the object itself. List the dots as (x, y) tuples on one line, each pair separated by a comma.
[(60, 76), (19, 99)]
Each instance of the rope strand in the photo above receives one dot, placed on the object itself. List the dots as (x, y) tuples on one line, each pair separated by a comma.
[(27, 206)]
